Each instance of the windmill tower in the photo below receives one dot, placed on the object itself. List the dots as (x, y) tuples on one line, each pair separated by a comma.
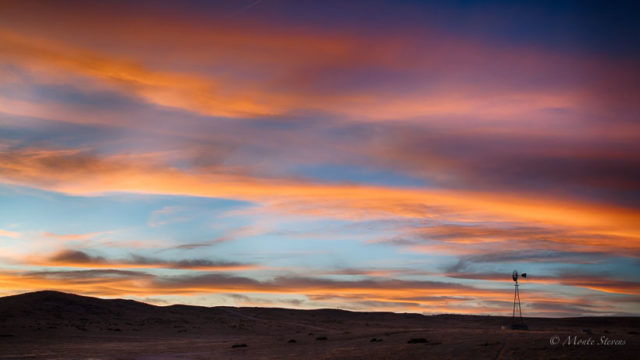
[(517, 323)]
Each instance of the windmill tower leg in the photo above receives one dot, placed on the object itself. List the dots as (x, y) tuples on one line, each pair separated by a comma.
[(519, 307), (515, 296), (517, 325)]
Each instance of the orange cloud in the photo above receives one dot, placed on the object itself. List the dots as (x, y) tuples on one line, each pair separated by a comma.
[(528, 242), (10, 234), (285, 72), (66, 237), (80, 174), (163, 88), (393, 295), (464, 107), (595, 282)]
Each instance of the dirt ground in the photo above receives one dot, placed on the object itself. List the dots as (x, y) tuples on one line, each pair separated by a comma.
[(63, 326)]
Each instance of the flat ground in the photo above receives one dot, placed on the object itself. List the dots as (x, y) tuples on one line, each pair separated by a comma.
[(51, 325)]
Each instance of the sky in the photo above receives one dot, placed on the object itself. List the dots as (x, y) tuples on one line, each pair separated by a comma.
[(400, 156)]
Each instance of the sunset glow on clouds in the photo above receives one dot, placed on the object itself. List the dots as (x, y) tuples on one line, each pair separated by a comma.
[(378, 156)]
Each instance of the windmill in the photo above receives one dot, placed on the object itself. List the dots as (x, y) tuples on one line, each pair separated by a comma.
[(517, 325)]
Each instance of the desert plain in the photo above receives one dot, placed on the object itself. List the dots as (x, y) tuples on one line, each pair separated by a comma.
[(54, 325)]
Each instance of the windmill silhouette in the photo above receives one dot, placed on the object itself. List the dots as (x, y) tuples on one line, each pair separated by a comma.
[(517, 324)]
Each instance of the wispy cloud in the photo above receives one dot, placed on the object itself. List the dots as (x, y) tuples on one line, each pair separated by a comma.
[(10, 234), (423, 296), (165, 215), (68, 237), (604, 283), (77, 258)]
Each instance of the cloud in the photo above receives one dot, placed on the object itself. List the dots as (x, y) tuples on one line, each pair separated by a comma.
[(76, 173), (163, 88), (551, 224), (166, 215), (534, 113), (529, 159), (76, 258), (67, 237), (391, 294), (477, 242), (261, 68), (577, 160), (10, 234), (87, 274), (229, 235), (598, 282)]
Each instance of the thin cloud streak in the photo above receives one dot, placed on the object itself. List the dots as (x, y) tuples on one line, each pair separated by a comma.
[(422, 296), (77, 258)]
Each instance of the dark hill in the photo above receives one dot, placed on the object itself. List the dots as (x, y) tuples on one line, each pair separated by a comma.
[(62, 313)]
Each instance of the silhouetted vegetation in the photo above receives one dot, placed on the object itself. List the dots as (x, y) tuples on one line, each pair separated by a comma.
[(486, 343), (417, 341)]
